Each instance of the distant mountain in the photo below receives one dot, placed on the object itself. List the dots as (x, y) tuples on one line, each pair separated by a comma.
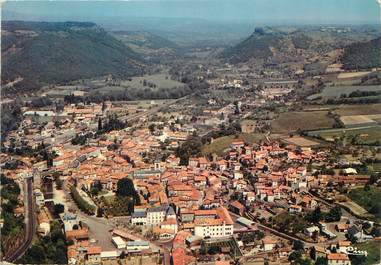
[(258, 46), (362, 55), (40, 53), (145, 39)]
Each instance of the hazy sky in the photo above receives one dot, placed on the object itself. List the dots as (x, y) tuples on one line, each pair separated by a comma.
[(299, 11)]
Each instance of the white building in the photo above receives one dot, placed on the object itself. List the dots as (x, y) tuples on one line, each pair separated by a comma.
[(137, 245), (218, 225), (119, 242)]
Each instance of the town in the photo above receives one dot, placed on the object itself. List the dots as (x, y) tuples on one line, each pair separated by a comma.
[(270, 161)]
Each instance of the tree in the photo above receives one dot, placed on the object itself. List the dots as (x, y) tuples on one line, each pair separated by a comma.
[(295, 256), (58, 209), (100, 124), (151, 127), (316, 215), (376, 232), (125, 188), (298, 245), (334, 214), (321, 261)]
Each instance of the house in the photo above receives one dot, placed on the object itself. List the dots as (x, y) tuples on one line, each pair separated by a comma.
[(213, 223), (338, 259), (156, 215), (343, 245), (342, 227), (295, 209), (237, 207), (70, 221), (93, 254), (139, 218), (268, 243), (310, 231), (170, 224), (320, 252)]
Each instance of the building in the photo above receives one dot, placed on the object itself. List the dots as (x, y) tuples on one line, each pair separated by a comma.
[(156, 215), (139, 218), (93, 255), (137, 245), (338, 259), (70, 220), (118, 242), (215, 223)]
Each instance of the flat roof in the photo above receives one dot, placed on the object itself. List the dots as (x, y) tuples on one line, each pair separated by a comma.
[(118, 240)]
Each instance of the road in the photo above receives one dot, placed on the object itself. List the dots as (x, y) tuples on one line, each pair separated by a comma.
[(30, 224)]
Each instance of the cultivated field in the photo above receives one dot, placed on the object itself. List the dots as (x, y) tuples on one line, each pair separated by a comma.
[(300, 141), (292, 121), (337, 91), (366, 135)]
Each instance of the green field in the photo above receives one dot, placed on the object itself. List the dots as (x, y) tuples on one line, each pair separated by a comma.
[(368, 199), (337, 91), (219, 145), (366, 135), (373, 249), (292, 121)]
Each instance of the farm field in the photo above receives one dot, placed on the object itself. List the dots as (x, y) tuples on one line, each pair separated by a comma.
[(149, 86), (366, 134), (219, 145), (337, 91), (301, 141), (292, 121)]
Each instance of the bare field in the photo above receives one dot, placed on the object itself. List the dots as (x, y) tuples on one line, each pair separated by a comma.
[(300, 141), (352, 74)]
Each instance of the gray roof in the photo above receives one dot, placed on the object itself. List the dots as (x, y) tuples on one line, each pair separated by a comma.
[(162, 208), (170, 211), (137, 243), (139, 214)]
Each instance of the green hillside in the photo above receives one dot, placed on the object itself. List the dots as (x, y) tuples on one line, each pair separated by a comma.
[(45, 53), (363, 55), (257, 46), (145, 40)]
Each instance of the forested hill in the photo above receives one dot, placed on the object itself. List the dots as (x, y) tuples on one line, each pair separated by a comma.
[(257, 46), (39, 53), (363, 55)]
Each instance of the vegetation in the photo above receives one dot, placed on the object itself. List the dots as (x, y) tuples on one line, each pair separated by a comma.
[(222, 143), (11, 117), (190, 148), (373, 249), (59, 53), (50, 249), (125, 188), (293, 121), (290, 223), (363, 55), (256, 46), (116, 205), (13, 224), (368, 198), (81, 202)]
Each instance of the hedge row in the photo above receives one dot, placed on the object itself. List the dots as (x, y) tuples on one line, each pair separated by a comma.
[(81, 202)]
